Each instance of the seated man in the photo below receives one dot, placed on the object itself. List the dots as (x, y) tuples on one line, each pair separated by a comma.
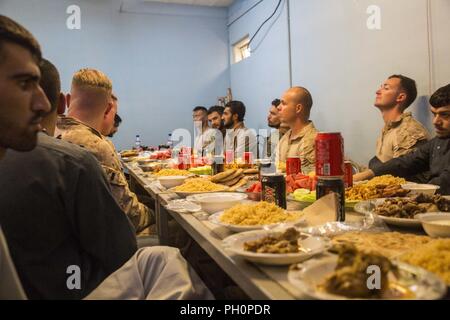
[(59, 235), (69, 216), (90, 118), (238, 138), (433, 156), (299, 141), (117, 122), (401, 133), (274, 122), (204, 136)]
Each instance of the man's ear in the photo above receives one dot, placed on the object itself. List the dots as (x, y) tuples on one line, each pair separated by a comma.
[(68, 100), (61, 104), (108, 109), (401, 98), (299, 108)]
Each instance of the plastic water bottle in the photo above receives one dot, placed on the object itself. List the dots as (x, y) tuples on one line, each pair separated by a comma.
[(137, 144)]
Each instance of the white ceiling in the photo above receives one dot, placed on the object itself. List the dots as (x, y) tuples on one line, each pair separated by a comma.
[(211, 3)]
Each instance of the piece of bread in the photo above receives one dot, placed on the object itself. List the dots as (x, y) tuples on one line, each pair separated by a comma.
[(223, 175)]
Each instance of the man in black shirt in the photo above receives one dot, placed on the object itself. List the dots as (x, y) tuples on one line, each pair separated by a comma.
[(434, 156), (57, 211)]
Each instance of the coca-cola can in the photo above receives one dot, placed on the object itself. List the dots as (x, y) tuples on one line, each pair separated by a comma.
[(229, 157), (293, 165), (348, 177), (248, 157), (329, 155)]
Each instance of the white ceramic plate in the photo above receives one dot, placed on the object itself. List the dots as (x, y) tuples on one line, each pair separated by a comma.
[(214, 202), (309, 275), (368, 206), (310, 246), (215, 218)]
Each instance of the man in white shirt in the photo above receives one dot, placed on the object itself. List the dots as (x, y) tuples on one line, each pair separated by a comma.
[(238, 138), (204, 135)]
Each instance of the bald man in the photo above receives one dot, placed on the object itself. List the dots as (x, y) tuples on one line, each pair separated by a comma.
[(295, 110), (91, 118)]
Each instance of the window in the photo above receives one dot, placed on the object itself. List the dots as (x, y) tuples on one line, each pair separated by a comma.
[(241, 49)]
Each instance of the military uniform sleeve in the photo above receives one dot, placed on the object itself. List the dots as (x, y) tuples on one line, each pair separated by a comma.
[(409, 139), (407, 165), (137, 212), (308, 155), (104, 231)]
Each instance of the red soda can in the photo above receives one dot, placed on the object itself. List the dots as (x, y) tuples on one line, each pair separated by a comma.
[(293, 165), (181, 164), (248, 157), (229, 157), (329, 155), (348, 177), (186, 150)]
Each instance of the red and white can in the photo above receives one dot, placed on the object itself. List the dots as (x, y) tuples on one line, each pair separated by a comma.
[(186, 150), (293, 165), (329, 155), (248, 157), (229, 157), (348, 177)]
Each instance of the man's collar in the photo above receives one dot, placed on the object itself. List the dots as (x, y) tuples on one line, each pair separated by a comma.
[(398, 121), (302, 132), (69, 121)]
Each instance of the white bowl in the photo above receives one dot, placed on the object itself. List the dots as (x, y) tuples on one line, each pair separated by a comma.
[(172, 181), (436, 224), (214, 202), (415, 188)]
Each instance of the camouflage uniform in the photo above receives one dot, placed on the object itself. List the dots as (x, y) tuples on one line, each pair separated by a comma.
[(301, 145), (400, 137), (74, 131)]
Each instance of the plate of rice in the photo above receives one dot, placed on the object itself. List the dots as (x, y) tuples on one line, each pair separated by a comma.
[(251, 216)]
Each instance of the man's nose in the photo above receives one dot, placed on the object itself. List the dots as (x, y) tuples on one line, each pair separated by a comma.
[(436, 120), (40, 101)]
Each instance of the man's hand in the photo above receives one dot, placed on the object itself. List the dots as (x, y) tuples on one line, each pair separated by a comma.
[(366, 175)]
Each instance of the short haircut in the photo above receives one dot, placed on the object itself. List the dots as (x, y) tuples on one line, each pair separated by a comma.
[(276, 102), (50, 82), (92, 78), (441, 97), (409, 86), (305, 98), (200, 108), (237, 107), (11, 31), (217, 109), (117, 120)]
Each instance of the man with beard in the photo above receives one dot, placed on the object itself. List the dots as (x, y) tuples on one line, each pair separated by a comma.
[(433, 156), (238, 138), (69, 213), (215, 117), (274, 122), (204, 136)]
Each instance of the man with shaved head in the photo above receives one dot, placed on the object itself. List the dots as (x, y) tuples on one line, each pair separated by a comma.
[(90, 118), (295, 109)]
